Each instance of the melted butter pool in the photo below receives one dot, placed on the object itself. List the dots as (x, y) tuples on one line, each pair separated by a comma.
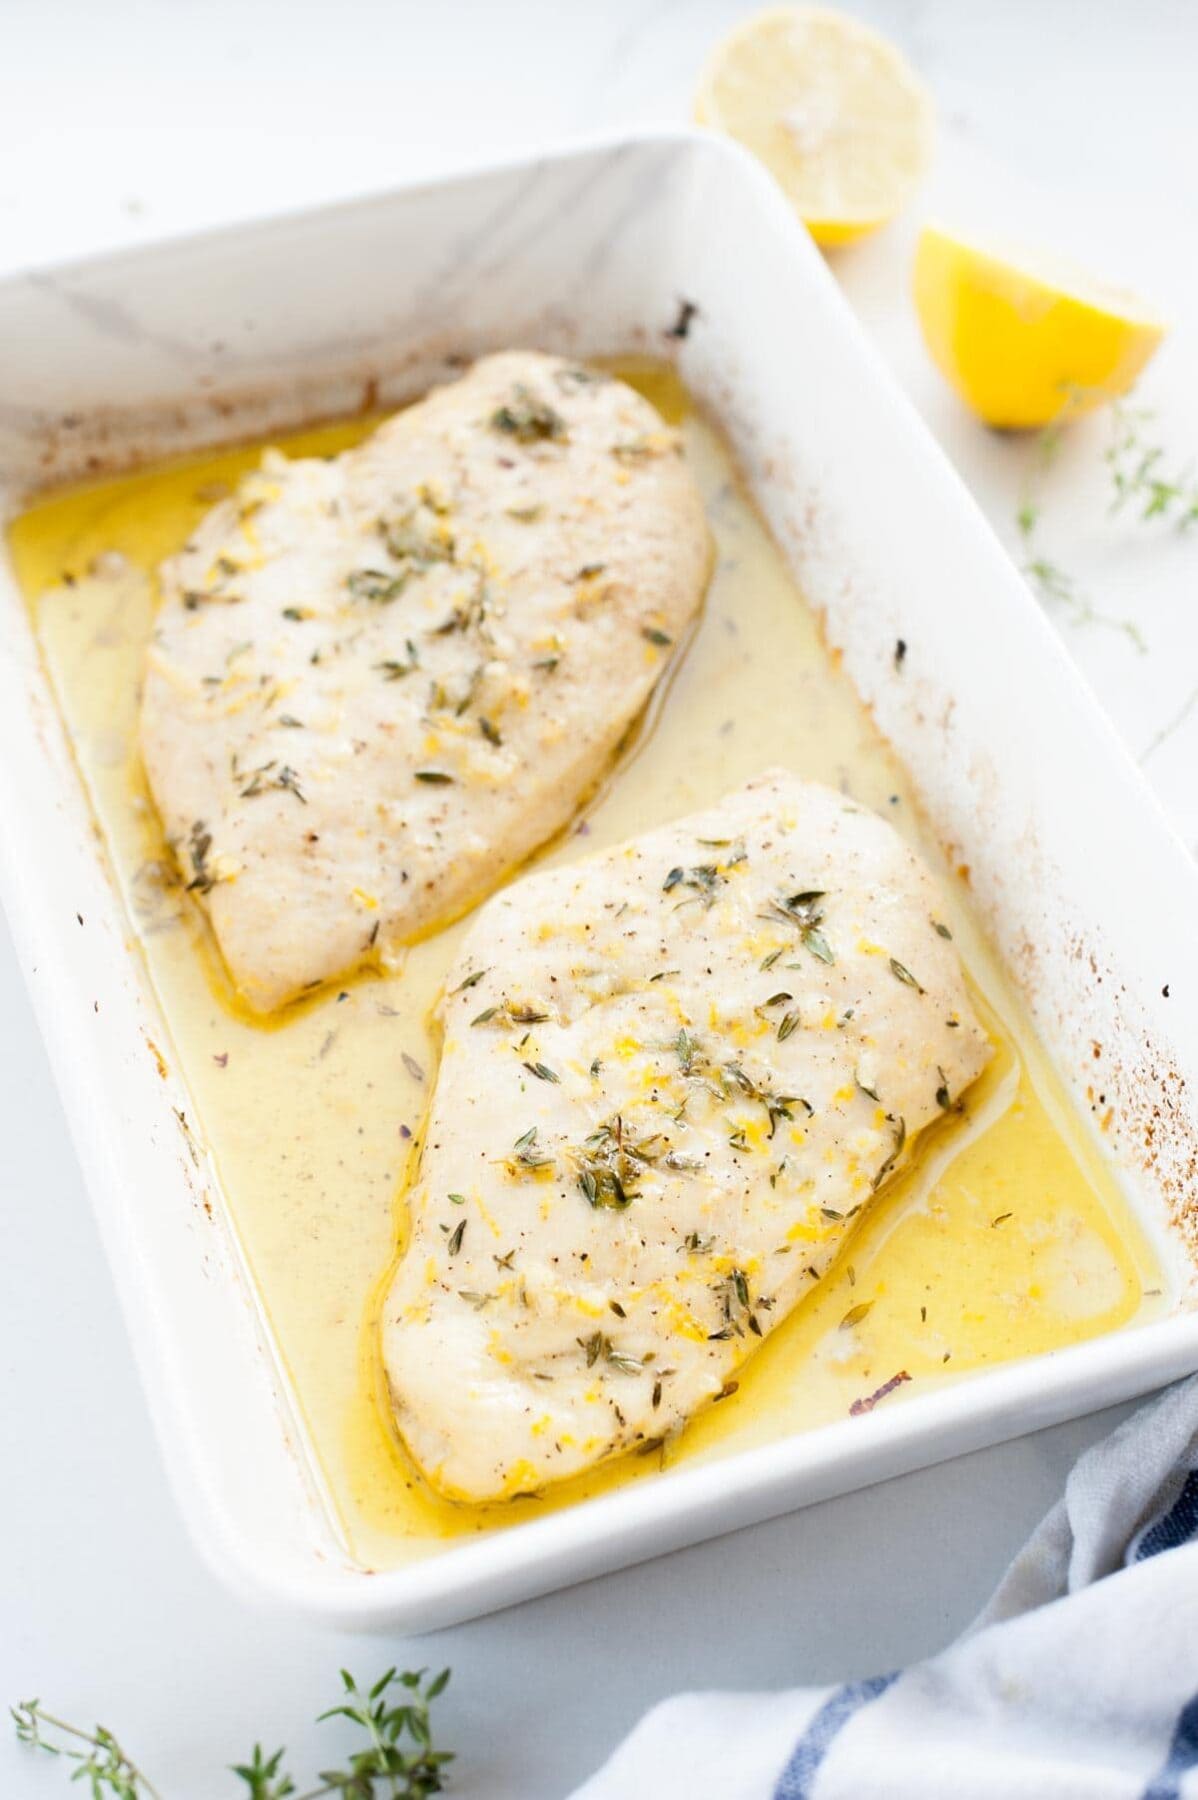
[(1006, 1236)]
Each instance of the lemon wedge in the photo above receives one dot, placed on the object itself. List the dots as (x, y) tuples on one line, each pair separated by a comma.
[(833, 111), (1023, 339)]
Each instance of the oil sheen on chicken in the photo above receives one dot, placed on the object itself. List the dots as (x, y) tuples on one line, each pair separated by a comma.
[(379, 681), (672, 1077)]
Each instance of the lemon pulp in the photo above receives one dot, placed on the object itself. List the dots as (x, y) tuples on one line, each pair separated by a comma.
[(832, 110), (1021, 339)]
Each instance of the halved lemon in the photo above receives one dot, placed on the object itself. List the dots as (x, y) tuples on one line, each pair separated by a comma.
[(1024, 338), (832, 110)]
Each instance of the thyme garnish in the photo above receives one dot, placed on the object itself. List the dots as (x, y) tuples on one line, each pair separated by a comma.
[(456, 1236), (1137, 476), (470, 981), (855, 1315), (655, 635), (1052, 584), (899, 1126), (199, 843), (804, 911), (384, 1766), (864, 1085), (542, 1071), (377, 584), (610, 1162), (528, 1155), (777, 1106), (736, 1311), (268, 776), (902, 973), (528, 419), (509, 1012), (435, 777), (704, 878), (600, 1345), (394, 670)]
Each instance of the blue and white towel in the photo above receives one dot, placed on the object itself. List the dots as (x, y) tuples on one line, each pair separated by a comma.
[(1078, 1682)]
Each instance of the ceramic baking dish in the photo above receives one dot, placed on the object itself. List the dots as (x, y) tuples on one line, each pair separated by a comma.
[(1080, 881)]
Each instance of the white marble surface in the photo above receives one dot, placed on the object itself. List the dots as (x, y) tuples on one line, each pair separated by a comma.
[(1070, 122)]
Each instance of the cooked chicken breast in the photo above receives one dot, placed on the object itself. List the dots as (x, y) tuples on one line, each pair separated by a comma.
[(380, 680), (672, 1077)]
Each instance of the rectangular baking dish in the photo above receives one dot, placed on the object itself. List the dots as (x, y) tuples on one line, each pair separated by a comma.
[(1084, 889)]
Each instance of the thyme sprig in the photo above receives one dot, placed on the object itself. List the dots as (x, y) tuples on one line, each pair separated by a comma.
[(611, 1161), (1140, 481), (97, 1755), (398, 1760), (777, 1106), (1138, 476), (805, 910)]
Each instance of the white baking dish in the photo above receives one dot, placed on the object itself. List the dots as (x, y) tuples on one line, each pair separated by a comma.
[(1084, 889)]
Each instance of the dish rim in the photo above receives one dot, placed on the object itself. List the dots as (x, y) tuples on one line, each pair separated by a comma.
[(676, 1506)]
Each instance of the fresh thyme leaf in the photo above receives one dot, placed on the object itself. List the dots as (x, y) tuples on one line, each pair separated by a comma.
[(456, 1236), (434, 777), (542, 1071), (97, 1755), (661, 638), (942, 930), (788, 1024)]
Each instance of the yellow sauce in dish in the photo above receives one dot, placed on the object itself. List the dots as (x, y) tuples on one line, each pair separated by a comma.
[(1007, 1236)]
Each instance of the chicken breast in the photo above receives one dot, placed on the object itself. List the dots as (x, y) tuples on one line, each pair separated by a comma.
[(673, 1075), (380, 680)]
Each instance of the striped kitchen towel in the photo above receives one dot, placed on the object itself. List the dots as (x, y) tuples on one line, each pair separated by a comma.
[(1078, 1682)]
